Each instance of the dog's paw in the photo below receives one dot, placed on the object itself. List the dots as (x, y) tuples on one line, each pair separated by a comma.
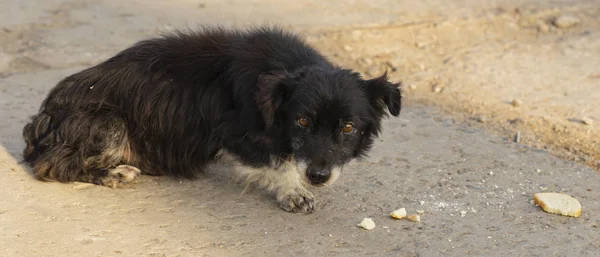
[(120, 176), (299, 201)]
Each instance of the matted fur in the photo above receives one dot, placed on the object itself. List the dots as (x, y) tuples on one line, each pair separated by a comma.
[(172, 104)]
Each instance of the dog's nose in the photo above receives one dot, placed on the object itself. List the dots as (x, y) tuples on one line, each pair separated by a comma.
[(318, 176)]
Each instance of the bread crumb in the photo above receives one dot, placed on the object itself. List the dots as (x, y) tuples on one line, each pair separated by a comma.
[(414, 217), (367, 223), (399, 214)]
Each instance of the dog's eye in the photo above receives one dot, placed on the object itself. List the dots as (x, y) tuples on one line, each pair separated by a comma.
[(303, 121), (348, 127)]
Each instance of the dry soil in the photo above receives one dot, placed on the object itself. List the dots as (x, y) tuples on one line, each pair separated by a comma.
[(476, 75)]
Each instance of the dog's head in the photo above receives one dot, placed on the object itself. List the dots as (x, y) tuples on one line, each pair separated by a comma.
[(326, 118)]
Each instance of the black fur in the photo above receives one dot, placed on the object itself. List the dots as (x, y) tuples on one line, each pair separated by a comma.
[(167, 105)]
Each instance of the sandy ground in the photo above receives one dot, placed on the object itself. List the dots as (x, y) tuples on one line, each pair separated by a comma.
[(452, 153)]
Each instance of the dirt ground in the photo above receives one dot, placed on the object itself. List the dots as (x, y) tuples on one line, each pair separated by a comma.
[(502, 102)]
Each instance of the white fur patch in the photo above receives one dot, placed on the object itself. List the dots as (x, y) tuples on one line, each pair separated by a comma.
[(335, 174), (120, 176), (282, 178)]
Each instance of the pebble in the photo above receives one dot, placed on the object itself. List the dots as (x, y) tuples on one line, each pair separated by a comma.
[(566, 21), (463, 213), (421, 45), (436, 88), (542, 27), (5, 60), (348, 48), (516, 121), (516, 103), (412, 86), (367, 61), (587, 121), (392, 65), (481, 119)]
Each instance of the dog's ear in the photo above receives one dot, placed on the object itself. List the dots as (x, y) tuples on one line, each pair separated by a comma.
[(271, 93), (380, 90)]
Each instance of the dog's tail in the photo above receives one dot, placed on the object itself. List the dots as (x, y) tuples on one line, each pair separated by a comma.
[(39, 136)]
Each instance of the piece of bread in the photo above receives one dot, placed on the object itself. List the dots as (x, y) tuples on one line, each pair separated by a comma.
[(414, 217), (558, 204), (399, 214), (367, 223)]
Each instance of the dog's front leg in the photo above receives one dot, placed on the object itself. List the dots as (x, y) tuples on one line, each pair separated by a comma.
[(285, 182), (291, 194)]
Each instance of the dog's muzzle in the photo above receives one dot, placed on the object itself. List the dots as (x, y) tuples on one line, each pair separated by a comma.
[(318, 176)]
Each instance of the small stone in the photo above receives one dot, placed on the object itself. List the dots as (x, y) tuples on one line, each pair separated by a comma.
[(437, 88), (516, 103), (587, 121), (420, 211), (412, 86), (516, 121), (366, 61), (566, 21), (5, 60), (463, 213), (542, 27), (421, 45), (392, 65), (481, 119), (348, 48), (367, 223)]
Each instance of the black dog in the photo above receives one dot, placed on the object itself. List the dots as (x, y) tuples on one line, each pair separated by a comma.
[(260, 99)]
